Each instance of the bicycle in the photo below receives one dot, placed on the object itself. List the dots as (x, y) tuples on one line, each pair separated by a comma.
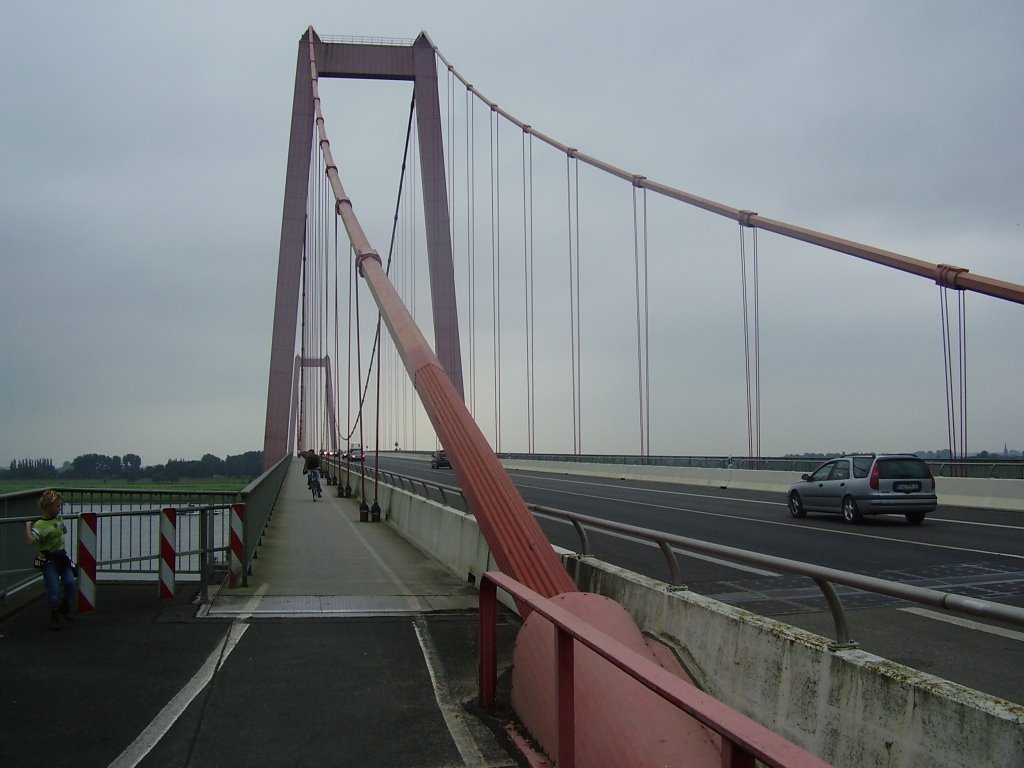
[(313, 481)]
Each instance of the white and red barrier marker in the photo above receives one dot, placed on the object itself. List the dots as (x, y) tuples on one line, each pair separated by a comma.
[(168, 551), (87, 562), (237, 545)]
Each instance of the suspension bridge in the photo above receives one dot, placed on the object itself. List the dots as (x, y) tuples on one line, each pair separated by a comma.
[(512, 308), (520, 374)]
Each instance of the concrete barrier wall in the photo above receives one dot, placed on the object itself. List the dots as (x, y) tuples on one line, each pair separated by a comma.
[(448, 535), (850, 707), (962, 492)]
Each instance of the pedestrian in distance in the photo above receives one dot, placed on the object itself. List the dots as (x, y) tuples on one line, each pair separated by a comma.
[(57, 567)]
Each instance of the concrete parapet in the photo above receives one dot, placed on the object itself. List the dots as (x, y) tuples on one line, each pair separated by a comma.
[(990, 493), (848, 706), (449, 536)]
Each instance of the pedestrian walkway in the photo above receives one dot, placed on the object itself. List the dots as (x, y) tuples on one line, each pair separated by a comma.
[(347, 647)]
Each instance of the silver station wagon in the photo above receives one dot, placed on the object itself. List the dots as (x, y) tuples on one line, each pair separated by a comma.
[(860, 485)]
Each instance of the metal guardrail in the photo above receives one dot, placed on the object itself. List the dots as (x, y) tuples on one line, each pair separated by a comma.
[(824, 578), (743, 739), (1009, 469), (128, 543)]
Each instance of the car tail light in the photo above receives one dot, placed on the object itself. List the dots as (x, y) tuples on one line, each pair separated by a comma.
[(873, 481)]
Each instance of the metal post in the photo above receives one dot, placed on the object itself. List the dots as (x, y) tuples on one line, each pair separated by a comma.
[(488, 641), (566, 701)]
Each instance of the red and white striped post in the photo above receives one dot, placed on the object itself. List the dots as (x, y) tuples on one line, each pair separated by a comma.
[(168, 551), (87, 562), (237, 576)]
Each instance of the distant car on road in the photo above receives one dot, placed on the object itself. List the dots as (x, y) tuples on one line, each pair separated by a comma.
[(355, 454), (860, 485), (439, 459)]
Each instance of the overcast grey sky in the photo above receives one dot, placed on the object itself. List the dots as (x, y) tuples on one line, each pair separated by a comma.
[(142, 158)]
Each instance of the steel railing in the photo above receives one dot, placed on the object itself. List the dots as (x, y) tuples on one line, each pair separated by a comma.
[(823, 578), (743, 739), (128, 538)]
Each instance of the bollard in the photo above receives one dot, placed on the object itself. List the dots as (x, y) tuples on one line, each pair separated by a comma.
[(364, 512), (375, 512), (168, 552), (237, 577), (87, 562)]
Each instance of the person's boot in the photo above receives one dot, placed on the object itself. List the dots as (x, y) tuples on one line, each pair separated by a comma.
[(65, 610), (54, 620)]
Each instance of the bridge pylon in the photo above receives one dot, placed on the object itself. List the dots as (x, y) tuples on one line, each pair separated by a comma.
[(359, 60)]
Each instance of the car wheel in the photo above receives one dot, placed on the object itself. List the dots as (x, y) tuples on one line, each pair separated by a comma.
[(914, 518), (850, 512), (796, 505)]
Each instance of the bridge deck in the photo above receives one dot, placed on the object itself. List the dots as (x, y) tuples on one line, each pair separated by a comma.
[(317, 559), (348, 646)]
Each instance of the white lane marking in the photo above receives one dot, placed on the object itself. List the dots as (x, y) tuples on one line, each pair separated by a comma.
[(887, 539), (966, 623), (416, 604), (451, 712), (932, 518), (161, 724)]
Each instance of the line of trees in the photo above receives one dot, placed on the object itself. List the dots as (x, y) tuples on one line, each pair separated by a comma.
[(97, 466)]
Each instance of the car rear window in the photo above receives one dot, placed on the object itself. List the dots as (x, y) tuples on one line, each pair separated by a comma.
[(893, 468), (862, 466)]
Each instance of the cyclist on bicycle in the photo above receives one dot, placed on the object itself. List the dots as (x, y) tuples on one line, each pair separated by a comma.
[(311, 468)]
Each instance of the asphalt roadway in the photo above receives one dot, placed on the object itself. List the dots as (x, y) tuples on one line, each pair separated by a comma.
[(366, 657)]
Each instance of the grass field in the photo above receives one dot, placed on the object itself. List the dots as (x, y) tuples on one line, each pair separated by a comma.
[(214, 485)]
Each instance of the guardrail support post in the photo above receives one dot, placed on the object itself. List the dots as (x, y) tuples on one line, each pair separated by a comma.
[(735, 756), (566, 701), (168, 552), (488, 641)]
